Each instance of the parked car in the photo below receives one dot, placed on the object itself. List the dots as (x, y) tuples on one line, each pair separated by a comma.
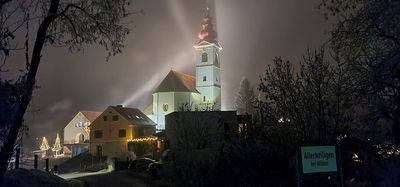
[(140, 164), (154, 169)]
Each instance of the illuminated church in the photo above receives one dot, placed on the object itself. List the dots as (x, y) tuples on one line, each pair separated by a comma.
[(183, 92)]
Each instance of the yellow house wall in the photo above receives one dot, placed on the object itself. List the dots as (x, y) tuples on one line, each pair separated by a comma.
[(110, 141)]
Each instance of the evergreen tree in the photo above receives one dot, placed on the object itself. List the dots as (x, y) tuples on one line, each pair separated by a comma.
[(45, 145), (245, 98), (57, 145)]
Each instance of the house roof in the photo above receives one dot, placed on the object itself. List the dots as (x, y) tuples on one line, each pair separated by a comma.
[(133, 115), (177, 82), (149, 110), (90, 115)]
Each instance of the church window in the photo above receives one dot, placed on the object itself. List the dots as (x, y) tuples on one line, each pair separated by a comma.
[(204, 57), (204, 78), (165, 107)]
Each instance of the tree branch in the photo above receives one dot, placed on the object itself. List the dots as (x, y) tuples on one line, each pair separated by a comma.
[(72, 24), (383, 34), (3, 2)]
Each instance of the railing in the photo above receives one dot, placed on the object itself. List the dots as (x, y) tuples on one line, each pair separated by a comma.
[(74, 142)]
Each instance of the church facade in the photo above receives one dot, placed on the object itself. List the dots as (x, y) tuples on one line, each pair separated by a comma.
[(183, 92)]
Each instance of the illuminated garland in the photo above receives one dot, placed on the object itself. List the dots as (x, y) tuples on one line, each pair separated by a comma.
[(147, 139)]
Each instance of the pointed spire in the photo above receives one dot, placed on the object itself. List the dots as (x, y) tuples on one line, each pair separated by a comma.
[(207, 33)]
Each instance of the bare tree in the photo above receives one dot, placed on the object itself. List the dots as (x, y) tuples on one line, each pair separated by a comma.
[(314, 100), (367, 36), (55, 23)]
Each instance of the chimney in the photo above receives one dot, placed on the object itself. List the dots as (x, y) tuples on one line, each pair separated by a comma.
[(120, 106)]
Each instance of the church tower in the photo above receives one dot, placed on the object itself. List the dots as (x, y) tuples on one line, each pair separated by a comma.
[(208, 71)]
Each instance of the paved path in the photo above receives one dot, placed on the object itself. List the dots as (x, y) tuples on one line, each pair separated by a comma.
[(81, 174), (117, 179)]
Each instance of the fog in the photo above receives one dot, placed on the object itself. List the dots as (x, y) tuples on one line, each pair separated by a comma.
[(250, 32)]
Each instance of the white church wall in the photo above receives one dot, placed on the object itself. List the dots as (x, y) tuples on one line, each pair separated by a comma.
[(167, 102), (164, 103), (211, 50)]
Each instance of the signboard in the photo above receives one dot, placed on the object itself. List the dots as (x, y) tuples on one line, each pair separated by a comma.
[(317, 159)]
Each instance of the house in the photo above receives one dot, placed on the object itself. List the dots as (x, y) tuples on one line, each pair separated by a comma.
[(117, 126), (77, 133)]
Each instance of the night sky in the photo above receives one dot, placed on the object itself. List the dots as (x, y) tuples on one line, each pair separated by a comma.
[(250, 32)]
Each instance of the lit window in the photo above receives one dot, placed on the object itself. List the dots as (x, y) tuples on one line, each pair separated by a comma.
[(79, 124), (204, 57), (204, 78), (122, 133)]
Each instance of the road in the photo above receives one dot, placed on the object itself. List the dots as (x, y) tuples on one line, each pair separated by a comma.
[(81, 174), (119, 178)]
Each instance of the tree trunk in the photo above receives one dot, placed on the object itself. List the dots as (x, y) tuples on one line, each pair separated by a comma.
[(17, 115), (15, 119)]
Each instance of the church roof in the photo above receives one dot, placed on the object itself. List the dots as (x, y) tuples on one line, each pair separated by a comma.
[(177, 82), (133, 115), (149, 110), (90, 115)]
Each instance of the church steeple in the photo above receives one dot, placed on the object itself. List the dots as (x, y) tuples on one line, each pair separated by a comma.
[(207, 32), (208, 72)]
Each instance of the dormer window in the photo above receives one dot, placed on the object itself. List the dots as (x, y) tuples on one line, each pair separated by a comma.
[(204, 57)]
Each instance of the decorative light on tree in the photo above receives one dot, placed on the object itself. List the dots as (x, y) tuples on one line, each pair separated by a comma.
[(44, 147), (87, 128), (57, 145)]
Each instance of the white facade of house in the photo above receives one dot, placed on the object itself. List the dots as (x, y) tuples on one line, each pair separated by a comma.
[(77, 133)]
